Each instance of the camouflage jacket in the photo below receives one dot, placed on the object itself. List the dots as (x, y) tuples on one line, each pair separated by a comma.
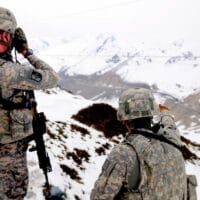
[(161, 169), (17, 123)]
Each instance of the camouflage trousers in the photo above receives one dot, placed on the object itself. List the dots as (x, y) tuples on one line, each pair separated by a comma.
[(13, 170)]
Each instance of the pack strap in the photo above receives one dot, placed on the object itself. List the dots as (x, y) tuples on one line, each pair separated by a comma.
[(9, 105), (141, 149), (156, 136)]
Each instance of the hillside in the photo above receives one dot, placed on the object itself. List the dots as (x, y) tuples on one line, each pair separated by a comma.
[(78, 149), (96, 69)]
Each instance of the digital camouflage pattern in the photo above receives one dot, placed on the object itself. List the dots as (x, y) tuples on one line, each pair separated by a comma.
[(162, 171), (17, 124), (13, 171), (136, 103), (159, 165), (142, 168), (191, 187), (114, 175), (8, 22), (26, 77), (16, 83)]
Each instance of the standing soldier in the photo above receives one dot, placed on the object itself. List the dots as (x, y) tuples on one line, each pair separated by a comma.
[(148, 165), (16, 85)]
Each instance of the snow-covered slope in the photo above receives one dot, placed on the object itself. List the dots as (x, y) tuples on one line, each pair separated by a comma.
[(172, 67), (77, 151)]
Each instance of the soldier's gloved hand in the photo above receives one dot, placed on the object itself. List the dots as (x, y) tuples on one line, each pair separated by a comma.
[(163, 108), (20, 42), (166, 115)]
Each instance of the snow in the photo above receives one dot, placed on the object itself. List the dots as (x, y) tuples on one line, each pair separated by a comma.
[(58, 107), (57, 149), (169, 67), (192, 169), (173, 67), (179, 78), (140, 41)]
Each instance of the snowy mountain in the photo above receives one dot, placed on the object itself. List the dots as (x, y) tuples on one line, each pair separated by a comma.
[(102, 66), (96, 69), (107, 65)]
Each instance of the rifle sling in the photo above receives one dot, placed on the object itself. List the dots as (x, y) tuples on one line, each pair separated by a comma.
[(157, 137)]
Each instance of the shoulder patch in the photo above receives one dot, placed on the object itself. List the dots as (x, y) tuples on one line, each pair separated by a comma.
[(36, 76)]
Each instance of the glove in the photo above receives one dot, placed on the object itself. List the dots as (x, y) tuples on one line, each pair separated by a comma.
[(163, 108), (166, 115), (20, 42)]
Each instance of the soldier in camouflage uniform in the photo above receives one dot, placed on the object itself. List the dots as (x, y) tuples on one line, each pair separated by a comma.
[(148, 164), (17, 82)]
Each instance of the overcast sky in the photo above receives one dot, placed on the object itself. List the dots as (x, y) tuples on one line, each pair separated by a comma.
[(141, 19)]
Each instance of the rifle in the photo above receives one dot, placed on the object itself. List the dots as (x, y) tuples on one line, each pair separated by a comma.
[(39, 128)]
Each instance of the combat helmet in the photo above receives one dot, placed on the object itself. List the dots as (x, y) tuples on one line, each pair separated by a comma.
[(8, 21), (136, 103)]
